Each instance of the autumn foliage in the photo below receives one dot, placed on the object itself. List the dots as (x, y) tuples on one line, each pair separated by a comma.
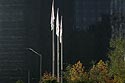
[(110, 71)]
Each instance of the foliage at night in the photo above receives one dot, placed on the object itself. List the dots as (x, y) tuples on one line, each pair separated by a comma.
[(99, 72), (117, 59), (111, 71), (75, 73), (47, 78)]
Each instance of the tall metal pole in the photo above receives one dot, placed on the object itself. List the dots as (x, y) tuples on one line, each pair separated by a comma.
[(39, 58), (61, 41), (40, 66), (57, 33), (53, 51), (53, 39), (62, 60), (58, 59)]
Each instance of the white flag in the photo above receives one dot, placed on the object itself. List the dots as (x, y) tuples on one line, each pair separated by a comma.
[(61, 30), (52, 16), (57, 23)]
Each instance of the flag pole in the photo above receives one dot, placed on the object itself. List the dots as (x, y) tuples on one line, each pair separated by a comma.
[(62, 61), (53, 50), (61, 41), (58, 59), (53, 39), (57, 33)]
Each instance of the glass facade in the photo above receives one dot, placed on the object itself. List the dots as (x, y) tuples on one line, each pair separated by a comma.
[(96, 21), (19, 21), (91, 30), (12, 40), (20, 27), (88, 12), (118, 18)]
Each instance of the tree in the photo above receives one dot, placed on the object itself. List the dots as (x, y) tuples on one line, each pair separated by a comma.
[(117, 62)]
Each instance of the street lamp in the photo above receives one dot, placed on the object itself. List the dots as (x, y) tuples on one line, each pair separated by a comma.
[(40, 59)]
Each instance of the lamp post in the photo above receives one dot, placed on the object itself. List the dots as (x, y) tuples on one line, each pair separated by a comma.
[(40, 59)]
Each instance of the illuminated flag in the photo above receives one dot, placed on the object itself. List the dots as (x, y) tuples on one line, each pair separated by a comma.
[(52, 16), (57, 23)]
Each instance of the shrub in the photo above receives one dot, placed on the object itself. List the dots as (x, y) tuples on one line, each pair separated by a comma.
[(75, 73), (99, 72), (47, 78), (117, 62)]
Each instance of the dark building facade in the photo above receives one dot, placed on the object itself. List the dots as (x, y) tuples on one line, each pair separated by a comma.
[(17, 21), (88, 12), (91, 32), (12, 40), (91, 29), (117, 11)]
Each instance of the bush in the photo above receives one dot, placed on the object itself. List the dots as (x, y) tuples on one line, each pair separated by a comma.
[(99, 72), (117, 62), (47, 78), (75, 73)]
